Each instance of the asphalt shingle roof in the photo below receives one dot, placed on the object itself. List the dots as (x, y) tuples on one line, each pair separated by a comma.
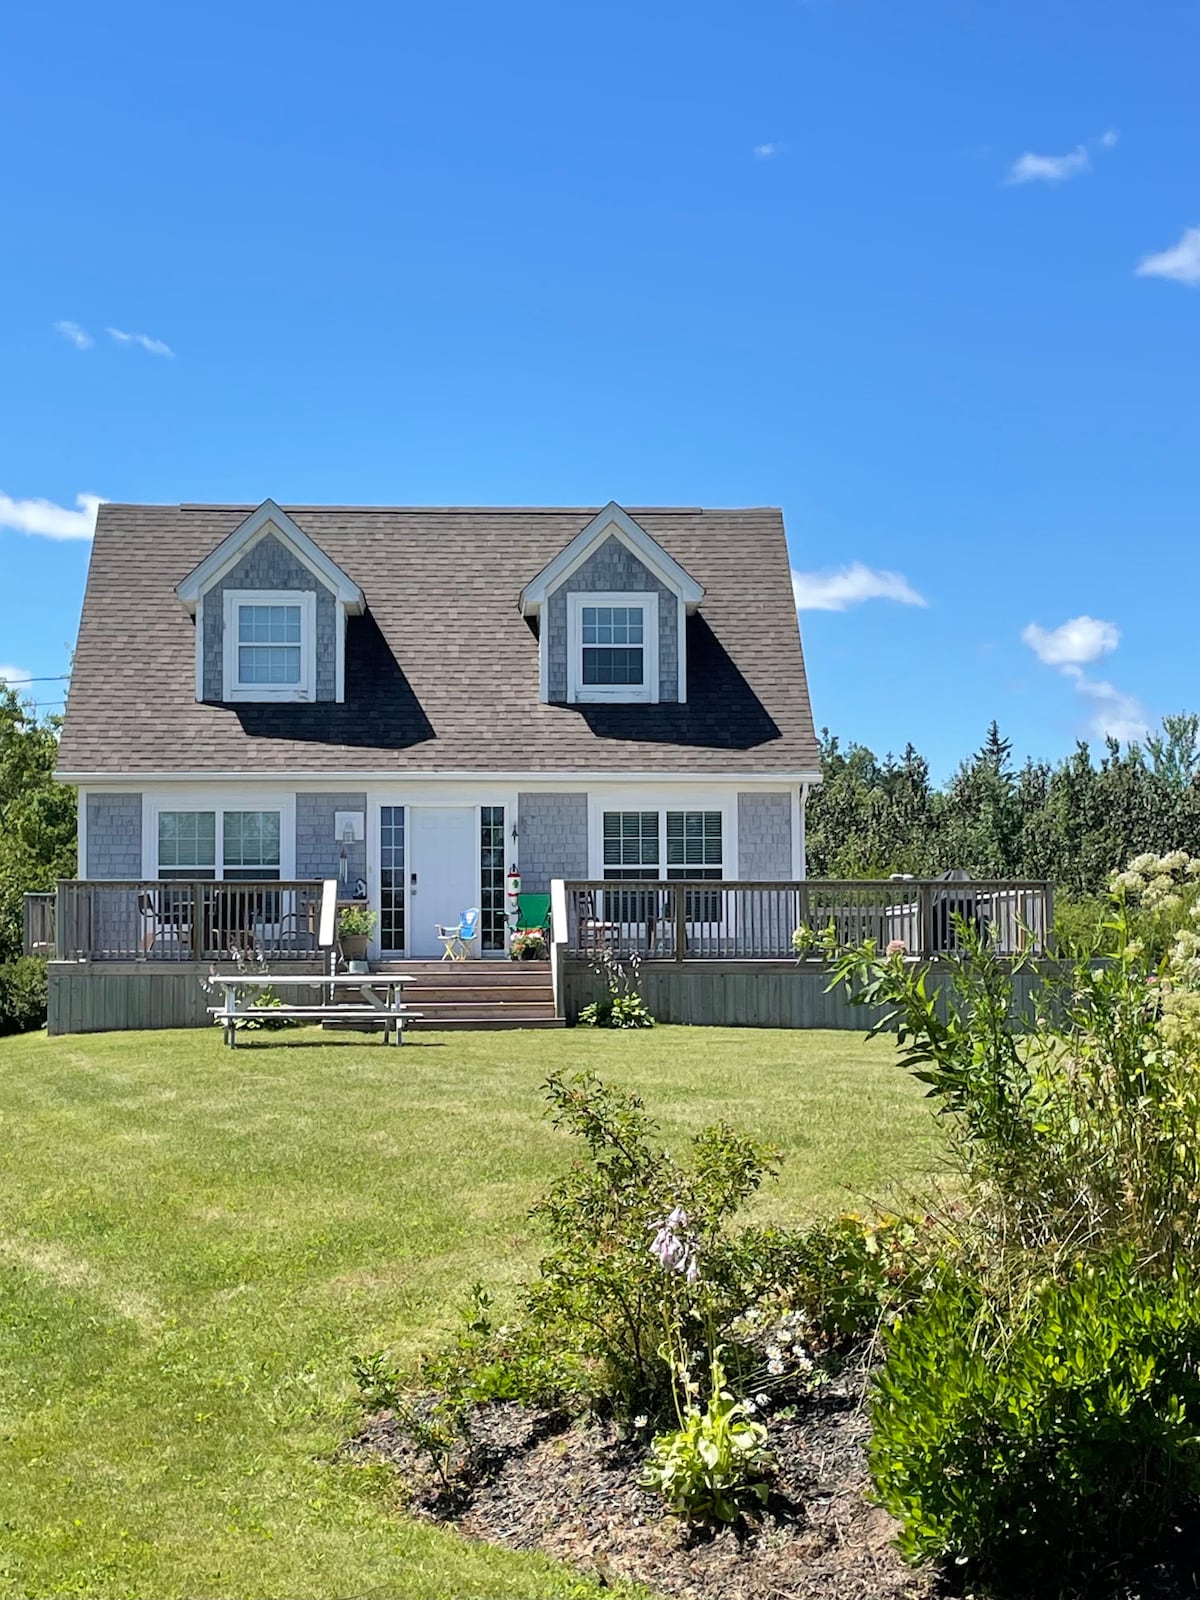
[(442, 671)]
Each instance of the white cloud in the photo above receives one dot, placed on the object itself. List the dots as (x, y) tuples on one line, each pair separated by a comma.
[(1109, 138), (1117, 715), (1080, 640), (74, 334), (1075, 644), (50, 521), (156, 347), (1181, 263), (14, 676), (1031, 168), (764, 152), (840, 587)]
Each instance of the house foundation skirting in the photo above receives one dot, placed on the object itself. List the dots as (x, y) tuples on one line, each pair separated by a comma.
[(745, 994), (116, 996)]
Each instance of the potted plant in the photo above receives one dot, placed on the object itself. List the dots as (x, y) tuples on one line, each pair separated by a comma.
[(528, 944), (356, 924)]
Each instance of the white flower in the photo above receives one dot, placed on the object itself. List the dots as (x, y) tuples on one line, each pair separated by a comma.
[(641, 1420), (775, 1368)]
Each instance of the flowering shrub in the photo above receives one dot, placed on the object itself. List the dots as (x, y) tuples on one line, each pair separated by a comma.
[(1048, 1392)]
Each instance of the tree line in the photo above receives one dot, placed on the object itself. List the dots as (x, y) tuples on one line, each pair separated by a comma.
[(1072, 822)]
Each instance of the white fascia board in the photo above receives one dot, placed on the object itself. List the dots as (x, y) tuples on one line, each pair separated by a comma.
[(247, 534), (615, 522), (397, 777)]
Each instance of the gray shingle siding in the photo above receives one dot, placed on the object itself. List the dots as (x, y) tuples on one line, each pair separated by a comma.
[(765, 836), (114, 836), (269, 565), (613, 567), (318, 851), (553, 831)]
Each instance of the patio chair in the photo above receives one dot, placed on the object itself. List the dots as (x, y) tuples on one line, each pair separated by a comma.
[(457, 940), (166, 920), (533, 912), (595, 933)]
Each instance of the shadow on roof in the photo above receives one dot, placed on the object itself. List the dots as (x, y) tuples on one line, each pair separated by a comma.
[(722, 711), (380, 711)]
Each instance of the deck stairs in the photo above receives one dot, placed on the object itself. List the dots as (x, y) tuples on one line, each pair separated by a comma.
[(477, 994)]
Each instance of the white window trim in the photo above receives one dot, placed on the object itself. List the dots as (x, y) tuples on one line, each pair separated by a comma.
[(232, 689), (579, 693), (598, 804), (285, 804)]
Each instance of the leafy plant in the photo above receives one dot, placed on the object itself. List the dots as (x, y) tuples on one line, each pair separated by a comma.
[(1060, 1430), (716, 1463), (623, 1007), (357, 922), (601, 1293), (23, 995), (528, 944)]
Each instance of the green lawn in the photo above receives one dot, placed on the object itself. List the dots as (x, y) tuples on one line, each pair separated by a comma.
[(193, 1243)]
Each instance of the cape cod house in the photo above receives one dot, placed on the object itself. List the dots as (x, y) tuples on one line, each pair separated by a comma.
[(414, 701), (271, 711)]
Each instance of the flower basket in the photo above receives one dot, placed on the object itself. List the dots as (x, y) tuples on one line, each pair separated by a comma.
[(528, 944)]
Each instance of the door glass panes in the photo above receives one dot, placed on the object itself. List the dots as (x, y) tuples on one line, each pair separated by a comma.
[(612, 644), (187, 844), (269, 644), (492, 900), (391, 877)]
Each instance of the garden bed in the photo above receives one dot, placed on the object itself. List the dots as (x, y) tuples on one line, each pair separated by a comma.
[(539, 1480)]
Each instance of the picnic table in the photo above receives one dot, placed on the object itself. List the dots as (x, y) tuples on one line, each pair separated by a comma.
[(380, 1000)]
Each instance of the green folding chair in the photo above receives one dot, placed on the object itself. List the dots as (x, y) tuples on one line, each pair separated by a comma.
[(533, 911)]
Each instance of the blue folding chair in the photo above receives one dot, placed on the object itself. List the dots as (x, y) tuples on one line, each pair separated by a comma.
[(457, 940)]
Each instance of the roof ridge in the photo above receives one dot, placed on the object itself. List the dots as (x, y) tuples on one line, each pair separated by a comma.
[(371, 510)]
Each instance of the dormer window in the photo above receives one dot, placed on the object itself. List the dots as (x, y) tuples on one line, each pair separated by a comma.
[(612, 645), (270, 644), (612, 609)]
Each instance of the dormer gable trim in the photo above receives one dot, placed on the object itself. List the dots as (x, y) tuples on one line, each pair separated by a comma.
[(612, 522), (269, 519)]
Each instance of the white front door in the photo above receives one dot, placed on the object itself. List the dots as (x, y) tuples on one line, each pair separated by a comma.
[(443, 863)]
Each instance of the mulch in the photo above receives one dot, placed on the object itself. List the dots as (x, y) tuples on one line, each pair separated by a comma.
[(535, 1480)]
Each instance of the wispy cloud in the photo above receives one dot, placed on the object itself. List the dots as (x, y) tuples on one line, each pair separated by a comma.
[(1031, 168), (1072, 646), (156, 347), (1181, 263), (840, 587), (1115, 715), (764, 152), (44, 518), (14, 676), (1073, 643), (74, 334)]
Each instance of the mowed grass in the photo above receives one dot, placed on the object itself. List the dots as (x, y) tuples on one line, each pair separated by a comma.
[(194, 1243)]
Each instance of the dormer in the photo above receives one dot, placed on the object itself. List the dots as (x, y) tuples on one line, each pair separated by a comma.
[(270, 609), (612, 611)]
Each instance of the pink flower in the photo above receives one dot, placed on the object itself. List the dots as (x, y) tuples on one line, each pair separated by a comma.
[(897, 947)]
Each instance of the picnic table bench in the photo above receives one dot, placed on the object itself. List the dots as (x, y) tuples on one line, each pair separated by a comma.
[(386, 1007)]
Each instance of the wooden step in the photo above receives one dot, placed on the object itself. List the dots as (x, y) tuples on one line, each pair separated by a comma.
[(508, 993), (449, 1009)]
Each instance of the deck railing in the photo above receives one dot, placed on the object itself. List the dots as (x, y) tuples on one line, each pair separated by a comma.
[(38, 938), (188, 919), (728, 921)]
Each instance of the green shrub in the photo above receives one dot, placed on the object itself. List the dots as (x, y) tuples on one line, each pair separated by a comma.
[(1062, 1433), (23, 995), (850, 1277)]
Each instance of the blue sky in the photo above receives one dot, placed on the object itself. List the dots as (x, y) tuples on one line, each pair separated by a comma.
[(924, 275)]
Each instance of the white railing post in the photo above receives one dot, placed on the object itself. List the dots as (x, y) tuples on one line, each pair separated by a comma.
[(559, 934)]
